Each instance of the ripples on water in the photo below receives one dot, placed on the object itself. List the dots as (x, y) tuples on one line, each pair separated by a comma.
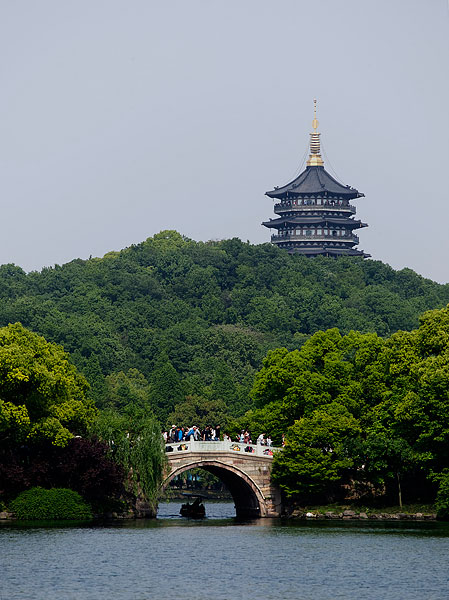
[(221, 559)]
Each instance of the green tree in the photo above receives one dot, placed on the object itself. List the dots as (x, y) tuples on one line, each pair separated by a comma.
[(396, 389), (166, 387), (328, 367), (316, 453), (199, 411), (270, 420), (388, 458), (42, 396), (127, 389), (136, 443)]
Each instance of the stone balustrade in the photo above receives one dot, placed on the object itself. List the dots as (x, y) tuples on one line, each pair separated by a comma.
[(220, 447)]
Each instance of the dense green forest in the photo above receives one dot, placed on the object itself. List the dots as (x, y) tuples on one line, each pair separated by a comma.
[(338, 355), (171, 317)]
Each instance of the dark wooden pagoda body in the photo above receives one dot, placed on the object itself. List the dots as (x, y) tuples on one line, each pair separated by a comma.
[(315, 216)]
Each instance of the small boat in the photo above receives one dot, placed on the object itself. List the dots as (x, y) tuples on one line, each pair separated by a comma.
[(195, 510)]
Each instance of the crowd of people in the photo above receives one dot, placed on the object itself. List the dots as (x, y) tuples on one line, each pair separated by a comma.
[(184, 434), (176, 435)]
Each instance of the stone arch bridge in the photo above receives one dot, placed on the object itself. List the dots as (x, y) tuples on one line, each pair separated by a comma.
[(245, 469)]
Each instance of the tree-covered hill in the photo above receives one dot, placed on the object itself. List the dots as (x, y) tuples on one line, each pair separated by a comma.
[(171, 317)]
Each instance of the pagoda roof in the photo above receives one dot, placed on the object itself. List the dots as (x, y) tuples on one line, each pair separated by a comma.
[(301, 220), (316, 250), (314, 180)]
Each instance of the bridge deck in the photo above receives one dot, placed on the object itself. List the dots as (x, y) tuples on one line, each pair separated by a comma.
[(245, 450)]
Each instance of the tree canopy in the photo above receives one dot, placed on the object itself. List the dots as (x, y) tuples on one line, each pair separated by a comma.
[(51, 433), (42, 396), (197, 318), (359, 407)]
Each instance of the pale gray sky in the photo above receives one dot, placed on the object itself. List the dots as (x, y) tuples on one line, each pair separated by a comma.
[(119, 118)]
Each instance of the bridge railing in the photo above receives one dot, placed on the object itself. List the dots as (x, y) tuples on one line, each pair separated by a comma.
[(231, 447)]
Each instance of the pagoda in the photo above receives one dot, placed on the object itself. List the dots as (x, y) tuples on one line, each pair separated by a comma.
[(314, 211)]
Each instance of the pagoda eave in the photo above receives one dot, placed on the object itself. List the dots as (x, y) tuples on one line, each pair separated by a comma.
[(328, 251), (314, 181), (323, 221), (279, 195)]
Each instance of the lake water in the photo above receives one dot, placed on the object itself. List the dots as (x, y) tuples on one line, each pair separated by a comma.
[(222, 559)]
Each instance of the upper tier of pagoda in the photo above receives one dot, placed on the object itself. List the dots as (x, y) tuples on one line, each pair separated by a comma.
[(314, 181), (315, 216)]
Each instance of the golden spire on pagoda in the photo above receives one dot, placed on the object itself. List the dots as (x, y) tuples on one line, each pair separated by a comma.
[(315, 159)]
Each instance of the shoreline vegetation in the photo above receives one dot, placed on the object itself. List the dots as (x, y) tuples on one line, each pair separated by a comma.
[(412, 512), (330, 512)]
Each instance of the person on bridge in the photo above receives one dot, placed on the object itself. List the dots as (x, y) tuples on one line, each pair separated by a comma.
[(191, 433), (172, 434)]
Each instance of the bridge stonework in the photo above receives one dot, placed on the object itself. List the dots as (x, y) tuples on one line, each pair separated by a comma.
[(247, 475)]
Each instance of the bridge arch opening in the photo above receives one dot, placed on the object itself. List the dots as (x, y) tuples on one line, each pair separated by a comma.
[(248, 498)]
